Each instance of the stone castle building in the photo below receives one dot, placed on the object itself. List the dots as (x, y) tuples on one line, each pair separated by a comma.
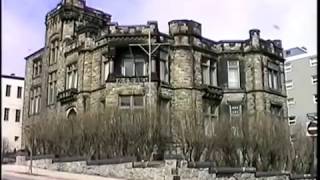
[(89, 62)]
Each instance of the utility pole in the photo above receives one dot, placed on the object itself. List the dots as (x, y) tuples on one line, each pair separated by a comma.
[(149, 52)]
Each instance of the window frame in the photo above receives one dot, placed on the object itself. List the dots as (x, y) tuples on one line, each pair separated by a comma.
[(54, 52), (315, 98), (293, 121), (209, 73), (314, 79), (52, 87), (274, 78), (36, 68), (287, 67), (72, 76), (164, 66), (8, 90), (19, 92), (289, 84), (132, 105), (18, 113), (210, 116), (6, 114), (279, 109), (313, 62), (237, 67), (35, 100), (133, 59), (291, 102)]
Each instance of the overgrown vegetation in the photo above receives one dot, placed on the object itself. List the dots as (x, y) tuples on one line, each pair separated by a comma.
[(260, 141)]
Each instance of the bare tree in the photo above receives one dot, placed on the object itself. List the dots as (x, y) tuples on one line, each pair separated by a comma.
[(302, 151)]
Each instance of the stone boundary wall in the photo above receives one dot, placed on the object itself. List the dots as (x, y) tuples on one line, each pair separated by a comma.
[(170, 169)]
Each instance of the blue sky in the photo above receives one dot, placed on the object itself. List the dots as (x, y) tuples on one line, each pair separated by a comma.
[(23, 27)]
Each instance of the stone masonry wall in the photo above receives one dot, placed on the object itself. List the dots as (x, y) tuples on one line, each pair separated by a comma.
[(162, 170)]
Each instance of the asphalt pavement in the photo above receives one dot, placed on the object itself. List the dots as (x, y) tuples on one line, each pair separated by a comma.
[(18, 172)]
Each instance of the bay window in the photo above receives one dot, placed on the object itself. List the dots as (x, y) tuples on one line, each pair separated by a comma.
[(133, 65)]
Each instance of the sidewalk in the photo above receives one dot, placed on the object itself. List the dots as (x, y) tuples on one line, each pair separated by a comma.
[(42, 174)]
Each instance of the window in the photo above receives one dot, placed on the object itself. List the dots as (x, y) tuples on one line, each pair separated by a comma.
[(235, 110), (19, 92), (16, 138), (293, 138), (235, 118), (314, 79), (287, 67), (6, 114), (292, 120), (273, 79), (131, 102), (35, 99), (164, 67), (276, 110), (164, 110), (210, 111), (233, 74), (289, 84), (209, 72), (315, 98), (54, 50), (133, 66), (107, 68), (36, 68), (8, 89), (313, 62), (52, 87), (72, 76), (291, 101), (18, 114)]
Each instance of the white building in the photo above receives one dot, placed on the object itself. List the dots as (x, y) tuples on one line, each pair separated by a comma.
[(301, 84), (11, 111)]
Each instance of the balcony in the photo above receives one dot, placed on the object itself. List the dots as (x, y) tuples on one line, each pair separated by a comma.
[(67, 95), (212, 92), (134, 79)]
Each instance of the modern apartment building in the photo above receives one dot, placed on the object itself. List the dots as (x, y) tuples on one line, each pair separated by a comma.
[(12, 88), (90, 63), (301, 84)]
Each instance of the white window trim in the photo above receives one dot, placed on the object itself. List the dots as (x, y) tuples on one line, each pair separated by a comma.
[(291, 102), (314, 79), (292, 122), (288, 67), (289, 84), (313, 62), (315, 99)]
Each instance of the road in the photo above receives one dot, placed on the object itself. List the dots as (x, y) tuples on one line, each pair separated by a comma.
[(13, 177), (17, 172)]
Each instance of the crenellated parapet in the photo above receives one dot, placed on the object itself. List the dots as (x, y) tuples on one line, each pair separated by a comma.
[(184, 27), (188, 33)]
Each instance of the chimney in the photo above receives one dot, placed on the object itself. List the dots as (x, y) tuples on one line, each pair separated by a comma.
[(12, 74)]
